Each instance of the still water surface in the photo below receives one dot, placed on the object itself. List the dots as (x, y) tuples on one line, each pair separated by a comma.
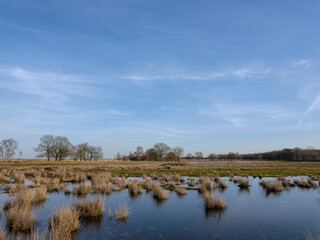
[(249, 215)]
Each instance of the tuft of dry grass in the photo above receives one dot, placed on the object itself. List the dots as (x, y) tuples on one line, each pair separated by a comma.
[(148, 184), (90, 208), (242, 182), (177, 178), (159, 193), (122, 212), (134, 187), (63, 223), (211, 202), (102, 187), (205, 184), (180, 190), (272, 186), (40, 195), (19, 177), (222, 184), (305, 184), (19, 219), (191, 182), (2, 234), (82, 188)]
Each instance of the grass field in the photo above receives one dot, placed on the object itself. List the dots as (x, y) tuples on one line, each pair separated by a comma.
[(185, 168)]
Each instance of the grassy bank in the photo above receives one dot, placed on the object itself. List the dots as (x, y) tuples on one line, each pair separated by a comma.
[(130, 168)]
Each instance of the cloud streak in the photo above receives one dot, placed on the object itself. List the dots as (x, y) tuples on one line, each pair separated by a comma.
[(238, 73), (313, 106)]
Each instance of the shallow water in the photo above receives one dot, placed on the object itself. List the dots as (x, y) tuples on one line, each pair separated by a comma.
[(249, 215)]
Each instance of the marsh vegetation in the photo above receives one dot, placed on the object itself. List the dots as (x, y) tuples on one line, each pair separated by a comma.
[(74, 198)]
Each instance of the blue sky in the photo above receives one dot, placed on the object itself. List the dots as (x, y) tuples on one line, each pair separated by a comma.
[(210, 76)]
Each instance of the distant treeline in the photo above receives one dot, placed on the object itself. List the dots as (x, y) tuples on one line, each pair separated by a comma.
[(60, 148), (161, 152), (287, 154)]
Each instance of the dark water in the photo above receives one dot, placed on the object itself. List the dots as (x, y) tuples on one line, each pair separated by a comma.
[(249, 215)]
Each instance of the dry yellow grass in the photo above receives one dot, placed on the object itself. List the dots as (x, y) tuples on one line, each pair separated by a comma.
[(205, 184), (272, 186), (134, 187), (180, 190), (91, 207), (19, 219), (40, 195), (122, 212), (63, 223), (159, 193), (211, 202)]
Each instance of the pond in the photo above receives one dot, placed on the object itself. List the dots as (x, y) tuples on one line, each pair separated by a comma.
[(250, 214)]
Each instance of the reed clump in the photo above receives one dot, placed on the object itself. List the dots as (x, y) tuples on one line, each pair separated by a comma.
[(19, 219), (191, 182), (205, 184), (211, 202), (181, 191), (242, 182), (40, 195), (83, 188), (272, 186), (122, 212), (159, 193), (90, 208), (148, 184), (134, 187), (63, 223), (19, 177)]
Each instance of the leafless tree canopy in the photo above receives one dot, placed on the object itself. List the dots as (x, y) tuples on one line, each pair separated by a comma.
[(8, 148), (45, 147), (159, 152), (59, 148)]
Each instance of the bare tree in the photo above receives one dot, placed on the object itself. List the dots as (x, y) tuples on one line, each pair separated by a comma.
[(8, 148), (212, 156), (62, 148), (179, 152), (82, 151), (139, 153), (45, 147), (118, 156), (20, 154), (161, 149), (95, 153), (199, 155)]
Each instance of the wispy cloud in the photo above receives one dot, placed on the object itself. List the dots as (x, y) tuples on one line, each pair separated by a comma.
[(243, 72), (313, 106), (302, 63), (243, 115), (21, 28), (48, 85)]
